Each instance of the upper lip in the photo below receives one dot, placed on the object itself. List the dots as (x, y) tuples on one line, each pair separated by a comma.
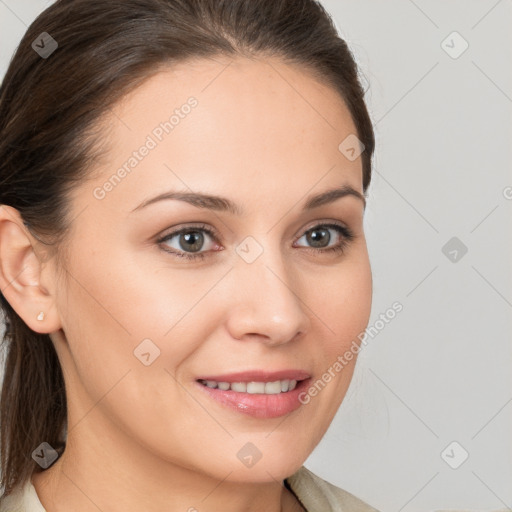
[(258, 376)]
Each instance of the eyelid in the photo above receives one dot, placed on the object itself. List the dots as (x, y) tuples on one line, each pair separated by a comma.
[(176, 231), (214, 233), (323, 222), (341, 228), (345, 232)]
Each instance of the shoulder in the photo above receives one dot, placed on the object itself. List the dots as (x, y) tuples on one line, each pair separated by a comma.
[(319, 495), (22, 499)]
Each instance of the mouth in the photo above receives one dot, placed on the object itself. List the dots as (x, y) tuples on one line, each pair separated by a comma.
[(262, 399), (253, 387)]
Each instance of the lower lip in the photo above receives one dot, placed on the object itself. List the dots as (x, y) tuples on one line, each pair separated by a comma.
[(259, 405)]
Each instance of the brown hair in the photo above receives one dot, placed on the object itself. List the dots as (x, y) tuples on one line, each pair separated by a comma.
[(49, 135)]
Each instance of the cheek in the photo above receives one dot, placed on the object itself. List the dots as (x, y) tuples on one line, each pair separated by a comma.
[(110, 307), (342, 304), (343, 301), (106, 317)]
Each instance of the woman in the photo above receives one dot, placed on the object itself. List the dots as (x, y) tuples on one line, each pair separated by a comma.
[(182, 257)]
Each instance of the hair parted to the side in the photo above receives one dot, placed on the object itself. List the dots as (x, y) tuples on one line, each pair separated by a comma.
[(50, 110)]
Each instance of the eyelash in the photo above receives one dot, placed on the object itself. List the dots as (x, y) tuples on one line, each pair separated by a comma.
[(347, 237)]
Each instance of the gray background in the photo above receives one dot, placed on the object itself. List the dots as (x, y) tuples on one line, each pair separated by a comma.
[(440, 371)]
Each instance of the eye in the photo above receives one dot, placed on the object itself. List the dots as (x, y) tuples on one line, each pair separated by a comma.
[(189, 241), (319, 237), (190, 238)]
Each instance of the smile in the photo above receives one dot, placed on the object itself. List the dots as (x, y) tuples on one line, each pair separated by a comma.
[(267, 388), (257, 399)]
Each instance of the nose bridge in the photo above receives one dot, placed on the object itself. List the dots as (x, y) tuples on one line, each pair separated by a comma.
[(267, 300)]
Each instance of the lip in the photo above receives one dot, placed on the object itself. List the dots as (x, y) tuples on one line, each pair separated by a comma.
[(257, 405), (259, 376)]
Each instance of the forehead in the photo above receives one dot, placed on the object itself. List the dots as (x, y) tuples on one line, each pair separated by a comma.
[(257, 125)]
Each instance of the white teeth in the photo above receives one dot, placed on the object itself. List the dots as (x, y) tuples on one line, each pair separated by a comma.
[(272, 388), (239, 386), (255, 387), (267, 388)]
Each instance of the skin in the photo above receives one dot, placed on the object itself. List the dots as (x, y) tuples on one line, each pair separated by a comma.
[(265, 135)]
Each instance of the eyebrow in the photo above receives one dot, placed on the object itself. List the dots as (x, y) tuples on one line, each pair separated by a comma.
[(221, 204)]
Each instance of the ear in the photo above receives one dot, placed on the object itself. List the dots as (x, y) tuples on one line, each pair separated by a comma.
[(21, 259)]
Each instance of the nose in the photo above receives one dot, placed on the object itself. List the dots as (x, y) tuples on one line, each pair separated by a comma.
[(266, 302)]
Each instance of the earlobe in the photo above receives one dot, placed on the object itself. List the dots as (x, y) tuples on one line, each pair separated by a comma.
[(20, 274)]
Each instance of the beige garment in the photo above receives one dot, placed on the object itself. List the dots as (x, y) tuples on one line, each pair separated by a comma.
[(315, 494), (24, 499), (318, 495)]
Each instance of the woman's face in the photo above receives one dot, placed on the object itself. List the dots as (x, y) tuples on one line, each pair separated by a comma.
[(143, 319)]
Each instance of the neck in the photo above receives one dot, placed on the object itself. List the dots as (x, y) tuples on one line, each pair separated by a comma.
[(111, 472)]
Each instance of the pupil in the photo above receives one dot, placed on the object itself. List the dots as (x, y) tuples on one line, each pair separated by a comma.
[(192, 238), (314, 239)]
